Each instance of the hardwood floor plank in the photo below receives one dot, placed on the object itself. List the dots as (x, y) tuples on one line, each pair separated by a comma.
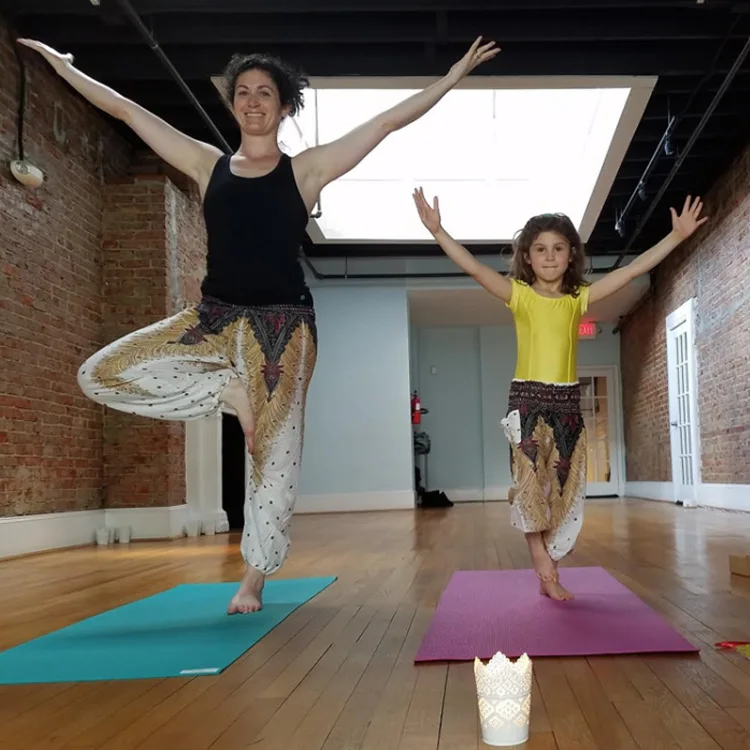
[(682, 725), (539, 722), (350, 727), (717, 722), (602, 718), (421, 727), (108, 727), (390, 710), (566, 718), (281, 731), (317, 725), (458, 729)]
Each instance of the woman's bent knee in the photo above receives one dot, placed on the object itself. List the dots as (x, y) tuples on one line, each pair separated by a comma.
[(85, 381)]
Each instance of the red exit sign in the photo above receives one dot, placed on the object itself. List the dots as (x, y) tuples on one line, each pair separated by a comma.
[(587, 330)]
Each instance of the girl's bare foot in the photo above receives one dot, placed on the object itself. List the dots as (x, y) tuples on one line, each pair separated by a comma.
[(546, 570), (554, 590), (235, 396), (249, 596)]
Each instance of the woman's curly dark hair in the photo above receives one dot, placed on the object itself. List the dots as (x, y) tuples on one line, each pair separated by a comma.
[(289, 80), (520, 266)]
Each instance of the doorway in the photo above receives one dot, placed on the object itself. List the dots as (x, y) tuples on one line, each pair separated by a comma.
[(684, 436), (600, 404)]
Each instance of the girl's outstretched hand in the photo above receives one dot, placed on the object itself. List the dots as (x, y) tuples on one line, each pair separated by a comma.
[(687, 222), (430, 215)]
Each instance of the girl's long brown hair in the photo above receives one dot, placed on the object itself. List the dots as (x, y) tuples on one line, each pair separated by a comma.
[(520, 266)]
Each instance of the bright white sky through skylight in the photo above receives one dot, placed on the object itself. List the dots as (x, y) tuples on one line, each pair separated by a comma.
[(494, 158)]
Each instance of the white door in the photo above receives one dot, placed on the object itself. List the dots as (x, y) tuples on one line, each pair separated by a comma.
[(683, 404), (600, 404)]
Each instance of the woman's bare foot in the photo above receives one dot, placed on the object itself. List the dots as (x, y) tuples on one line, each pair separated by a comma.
[(249, 596), (235, 396)]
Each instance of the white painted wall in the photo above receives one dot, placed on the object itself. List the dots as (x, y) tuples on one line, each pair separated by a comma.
[(450, 385), (468, 396), (358, 441)]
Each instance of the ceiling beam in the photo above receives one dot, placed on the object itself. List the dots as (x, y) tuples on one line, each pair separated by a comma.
[(737, 99), (295, 28), (82, 7), (394, 59)]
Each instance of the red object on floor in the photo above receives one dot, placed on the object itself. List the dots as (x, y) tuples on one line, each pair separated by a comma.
[(740, 647)]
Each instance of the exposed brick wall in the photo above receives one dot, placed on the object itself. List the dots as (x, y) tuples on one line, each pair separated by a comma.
[(189, 240), (136, 455), (50, 290), (153, 263), (713, 268), (112, 241)]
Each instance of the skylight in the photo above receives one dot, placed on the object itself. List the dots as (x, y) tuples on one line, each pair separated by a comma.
[(495, 155)]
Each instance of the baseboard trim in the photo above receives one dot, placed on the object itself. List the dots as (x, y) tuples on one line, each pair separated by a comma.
[(721, 496), (661, 491), (355, 502), (25, 535), (496, 493), (149, 523), (725, 496), (465, 496)]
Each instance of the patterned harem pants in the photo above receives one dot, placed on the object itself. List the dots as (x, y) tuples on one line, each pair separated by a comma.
[(177, 369), (547, 436)]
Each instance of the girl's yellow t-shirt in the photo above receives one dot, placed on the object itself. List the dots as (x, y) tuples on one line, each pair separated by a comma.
[(546, 333)]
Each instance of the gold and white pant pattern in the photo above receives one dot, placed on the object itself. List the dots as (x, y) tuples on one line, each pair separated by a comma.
[(177, 369)]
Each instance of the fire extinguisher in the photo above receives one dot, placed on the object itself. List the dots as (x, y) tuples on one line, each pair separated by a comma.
[(416, 409)]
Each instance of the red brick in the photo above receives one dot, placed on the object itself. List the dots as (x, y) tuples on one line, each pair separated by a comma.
[(103, 214), (137, 269), (713, 268)]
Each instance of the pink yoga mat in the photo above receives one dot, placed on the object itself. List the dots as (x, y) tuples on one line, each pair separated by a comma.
[(482, 612)]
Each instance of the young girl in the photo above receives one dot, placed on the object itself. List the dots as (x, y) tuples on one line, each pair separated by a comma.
[(547, 294)]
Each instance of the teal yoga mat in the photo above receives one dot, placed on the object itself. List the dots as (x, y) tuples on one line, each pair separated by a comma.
[(181, 632)]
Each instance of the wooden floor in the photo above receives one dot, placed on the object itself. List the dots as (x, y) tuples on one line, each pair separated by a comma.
[(338, 674)]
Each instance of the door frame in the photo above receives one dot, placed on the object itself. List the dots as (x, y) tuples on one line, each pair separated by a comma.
[(617, 439), (685, 313)]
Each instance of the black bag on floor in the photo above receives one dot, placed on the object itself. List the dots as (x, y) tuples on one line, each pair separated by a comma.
[(434, 499), (431, 499)]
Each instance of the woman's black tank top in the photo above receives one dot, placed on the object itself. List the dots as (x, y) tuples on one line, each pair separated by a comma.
[(255, 227)]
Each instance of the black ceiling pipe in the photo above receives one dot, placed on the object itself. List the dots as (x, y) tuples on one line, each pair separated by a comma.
[(135, 19), (683, 154), (662, 147)]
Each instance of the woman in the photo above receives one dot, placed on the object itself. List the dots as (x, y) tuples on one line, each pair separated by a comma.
[(249, 346)]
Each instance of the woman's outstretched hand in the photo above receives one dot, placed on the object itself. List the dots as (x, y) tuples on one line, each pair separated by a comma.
[(52, 56), (475, 56), (687, 222), (430, 215)]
